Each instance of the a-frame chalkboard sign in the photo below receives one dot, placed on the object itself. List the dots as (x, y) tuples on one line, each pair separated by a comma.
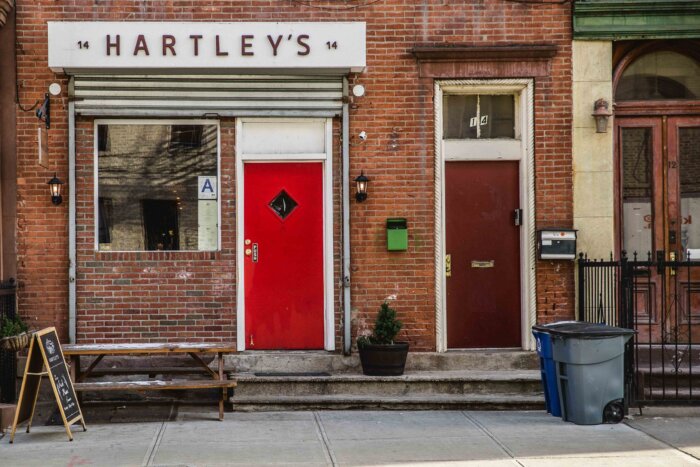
[(45, 353)]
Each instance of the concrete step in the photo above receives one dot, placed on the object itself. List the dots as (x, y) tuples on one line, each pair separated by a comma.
[(322, 361), (469, 389), (411, 402), (411, 383)]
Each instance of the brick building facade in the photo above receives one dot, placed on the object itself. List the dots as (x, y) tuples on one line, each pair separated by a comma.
[(416, 51)]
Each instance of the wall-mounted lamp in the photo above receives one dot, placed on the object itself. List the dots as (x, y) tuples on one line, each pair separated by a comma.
[(601, 113), (361, 181), (55, 187)]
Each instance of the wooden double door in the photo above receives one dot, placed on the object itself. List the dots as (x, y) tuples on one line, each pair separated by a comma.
[(659, 218)]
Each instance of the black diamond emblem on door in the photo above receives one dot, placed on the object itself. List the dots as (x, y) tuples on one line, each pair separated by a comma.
[(283, 204)]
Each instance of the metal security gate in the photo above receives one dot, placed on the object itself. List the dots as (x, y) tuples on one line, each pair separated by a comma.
[(207, 95), (660, 299)]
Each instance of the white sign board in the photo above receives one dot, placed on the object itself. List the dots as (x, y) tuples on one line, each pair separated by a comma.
[(186, 46), (206, 187), (208, 231)]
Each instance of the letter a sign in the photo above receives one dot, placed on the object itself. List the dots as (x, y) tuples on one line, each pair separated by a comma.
[(207, 187)]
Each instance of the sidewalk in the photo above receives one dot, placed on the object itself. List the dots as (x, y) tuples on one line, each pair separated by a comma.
[(193, 436)]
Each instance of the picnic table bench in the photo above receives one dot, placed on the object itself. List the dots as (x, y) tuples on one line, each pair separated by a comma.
[(194, 350)]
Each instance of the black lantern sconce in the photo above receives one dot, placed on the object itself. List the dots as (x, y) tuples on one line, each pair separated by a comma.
[(361, 181), (601, 115), (55, 187)]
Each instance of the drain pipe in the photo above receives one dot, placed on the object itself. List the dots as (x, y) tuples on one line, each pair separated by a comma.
[(346, 218), (71, 219)]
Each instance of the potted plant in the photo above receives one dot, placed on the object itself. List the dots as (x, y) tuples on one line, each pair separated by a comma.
[(13, 334), (380, 355)]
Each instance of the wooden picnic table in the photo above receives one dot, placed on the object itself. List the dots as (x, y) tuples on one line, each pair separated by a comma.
[(193, 349)]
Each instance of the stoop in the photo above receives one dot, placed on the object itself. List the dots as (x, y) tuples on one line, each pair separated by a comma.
[(478, 379)]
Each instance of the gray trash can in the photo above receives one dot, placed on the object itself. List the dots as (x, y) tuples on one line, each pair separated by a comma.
[(590, 369)]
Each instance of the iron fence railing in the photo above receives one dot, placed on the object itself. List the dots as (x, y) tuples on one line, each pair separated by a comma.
[(660, 299), (8, 362)]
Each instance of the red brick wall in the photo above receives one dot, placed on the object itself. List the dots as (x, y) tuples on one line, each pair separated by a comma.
[(397, 114)]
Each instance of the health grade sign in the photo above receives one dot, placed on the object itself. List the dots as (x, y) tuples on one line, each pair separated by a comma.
[(189, 46)]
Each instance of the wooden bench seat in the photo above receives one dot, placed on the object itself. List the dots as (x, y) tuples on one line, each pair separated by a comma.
[(153, 385), (151, 371)]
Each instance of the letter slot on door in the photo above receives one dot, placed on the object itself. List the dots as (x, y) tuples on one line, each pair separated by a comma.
[(556, 244)]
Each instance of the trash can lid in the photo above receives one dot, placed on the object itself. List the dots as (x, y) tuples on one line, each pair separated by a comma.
[(582, 329), (548, 327)]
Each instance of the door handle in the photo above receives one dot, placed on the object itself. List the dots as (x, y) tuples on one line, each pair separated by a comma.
[(448, 265), (518, 217), (252, 251)]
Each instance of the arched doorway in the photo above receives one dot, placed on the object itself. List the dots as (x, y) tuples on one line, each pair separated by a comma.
[(657, 147), (657, 113)]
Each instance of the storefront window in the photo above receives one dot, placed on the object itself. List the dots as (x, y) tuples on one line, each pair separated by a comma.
[(157, 187), (660, 75), (479, 116)]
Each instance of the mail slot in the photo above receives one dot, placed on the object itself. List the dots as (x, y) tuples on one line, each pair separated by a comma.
[(396, 234), (557, 244)]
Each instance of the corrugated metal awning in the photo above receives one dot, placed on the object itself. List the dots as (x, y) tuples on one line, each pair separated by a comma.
[(200, 95)]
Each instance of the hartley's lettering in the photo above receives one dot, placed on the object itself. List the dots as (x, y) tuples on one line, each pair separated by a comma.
[(168, 44)]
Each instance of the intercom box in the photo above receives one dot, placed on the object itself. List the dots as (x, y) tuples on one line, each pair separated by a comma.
[(556, 244)]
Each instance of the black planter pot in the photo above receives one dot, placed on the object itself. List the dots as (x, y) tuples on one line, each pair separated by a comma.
[(383, 360)]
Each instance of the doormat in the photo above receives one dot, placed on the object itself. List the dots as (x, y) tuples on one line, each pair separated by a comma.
[(292, 373)]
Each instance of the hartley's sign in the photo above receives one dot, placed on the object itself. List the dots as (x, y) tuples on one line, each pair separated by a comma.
[(168, 46)]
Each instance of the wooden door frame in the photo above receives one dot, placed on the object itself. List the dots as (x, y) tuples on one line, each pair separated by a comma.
[(524, 153), (326, 159)]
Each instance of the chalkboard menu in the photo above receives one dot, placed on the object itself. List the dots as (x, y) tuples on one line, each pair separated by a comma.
[(45, 358), (58, 371)]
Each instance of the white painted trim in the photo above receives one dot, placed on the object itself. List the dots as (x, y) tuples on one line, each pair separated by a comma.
[(329, 312), (482, 150), (525, 89), (240, 289), (96, 195), (327, 160), (285, 157)]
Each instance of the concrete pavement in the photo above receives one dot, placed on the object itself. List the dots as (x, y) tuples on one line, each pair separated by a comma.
[(193, 436)]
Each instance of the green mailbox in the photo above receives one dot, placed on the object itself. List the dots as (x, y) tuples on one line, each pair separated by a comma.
[(396, 234)]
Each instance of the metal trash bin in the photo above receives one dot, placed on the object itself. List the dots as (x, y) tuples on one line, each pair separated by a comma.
[(590, 368)]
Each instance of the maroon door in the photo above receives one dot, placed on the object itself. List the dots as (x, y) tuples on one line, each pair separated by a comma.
[(483, 244)]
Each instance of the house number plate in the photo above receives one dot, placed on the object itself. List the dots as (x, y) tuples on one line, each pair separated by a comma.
[(255, 252)]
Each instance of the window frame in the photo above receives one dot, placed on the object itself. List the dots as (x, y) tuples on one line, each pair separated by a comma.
[(162, 122)]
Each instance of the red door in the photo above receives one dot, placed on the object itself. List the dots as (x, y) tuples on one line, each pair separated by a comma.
[(283, 241), (483, 244)]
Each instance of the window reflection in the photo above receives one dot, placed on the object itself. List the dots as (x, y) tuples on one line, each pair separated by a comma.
[(660, 75), (148, 187), (689, 170), (479, 116), (637, 190)]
